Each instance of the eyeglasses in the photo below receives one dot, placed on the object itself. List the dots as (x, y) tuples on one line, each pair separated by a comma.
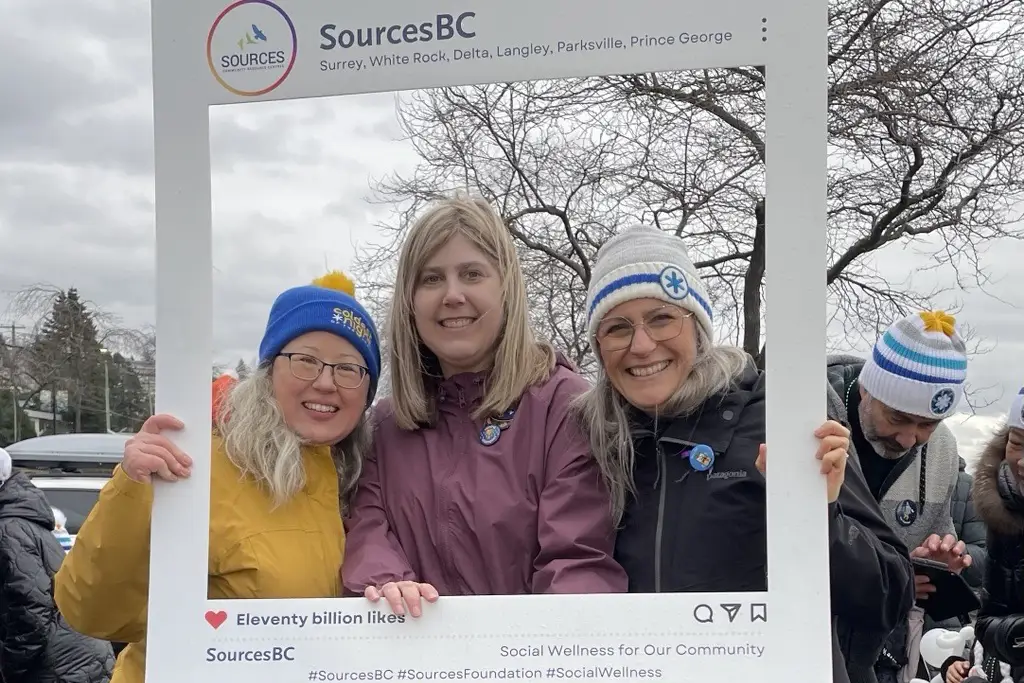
[(661, 324), (308, 369)]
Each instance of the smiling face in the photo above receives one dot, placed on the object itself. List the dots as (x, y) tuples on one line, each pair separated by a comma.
[(319, 410), (457, 306), (647, 372), (1015, 453)]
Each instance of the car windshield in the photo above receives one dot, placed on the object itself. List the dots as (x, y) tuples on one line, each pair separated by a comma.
[(75, 503)]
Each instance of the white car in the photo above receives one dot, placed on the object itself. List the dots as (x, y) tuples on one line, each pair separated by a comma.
[(70, 469), (74, 496)]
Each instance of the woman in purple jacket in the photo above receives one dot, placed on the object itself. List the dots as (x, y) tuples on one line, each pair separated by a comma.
[(480, 481)]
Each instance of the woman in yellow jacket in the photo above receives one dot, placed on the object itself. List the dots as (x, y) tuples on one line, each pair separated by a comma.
[(287, 452)]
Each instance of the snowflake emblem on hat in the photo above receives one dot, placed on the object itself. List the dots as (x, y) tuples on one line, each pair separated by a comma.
[(673, 282), (336, 318), (942, 401)]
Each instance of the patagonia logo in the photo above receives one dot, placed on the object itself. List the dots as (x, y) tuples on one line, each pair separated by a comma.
[(728, 474)]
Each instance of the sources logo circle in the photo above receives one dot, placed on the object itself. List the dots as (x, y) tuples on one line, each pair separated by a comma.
[(251, 47)]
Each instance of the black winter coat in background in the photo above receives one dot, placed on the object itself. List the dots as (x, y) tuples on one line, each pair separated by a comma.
[(1000, 623), (36, 644), (687, 530), (970, 527)]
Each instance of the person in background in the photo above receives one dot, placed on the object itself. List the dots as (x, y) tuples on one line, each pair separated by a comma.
[(896, 401), (222, 387), (479, 482), (60, 530), (36, 644), (677, 423), (969, 527), (978, 667), (999, 497), (287, 450)]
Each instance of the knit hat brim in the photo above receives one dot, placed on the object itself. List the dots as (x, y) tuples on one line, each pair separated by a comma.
[(654, 280), (931, 400)]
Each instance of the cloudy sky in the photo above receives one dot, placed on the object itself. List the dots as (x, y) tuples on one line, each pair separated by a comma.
[(290, 183)]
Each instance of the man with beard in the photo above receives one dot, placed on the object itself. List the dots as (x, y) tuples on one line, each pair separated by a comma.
[(895, 403)]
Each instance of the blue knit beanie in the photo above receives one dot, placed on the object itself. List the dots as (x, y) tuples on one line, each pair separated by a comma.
[(327, 305)]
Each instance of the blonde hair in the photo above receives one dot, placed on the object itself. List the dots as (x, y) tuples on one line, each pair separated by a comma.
[(259, 442), (603, 412), (520, 361)]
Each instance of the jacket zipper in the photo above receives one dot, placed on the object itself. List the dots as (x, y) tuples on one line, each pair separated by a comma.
[(659, 529), (662, 489)]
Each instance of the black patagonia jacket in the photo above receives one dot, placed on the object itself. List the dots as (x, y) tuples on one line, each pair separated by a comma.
[(36, 644), (691, 530)]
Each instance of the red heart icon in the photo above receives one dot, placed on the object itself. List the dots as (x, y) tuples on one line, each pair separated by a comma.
[(215, 619)]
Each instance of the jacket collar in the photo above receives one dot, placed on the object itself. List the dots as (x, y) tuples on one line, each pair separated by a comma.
[(464, 390), (715, 422), (999, 508)]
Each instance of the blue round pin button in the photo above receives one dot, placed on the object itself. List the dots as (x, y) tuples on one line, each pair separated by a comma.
[(702, 457)]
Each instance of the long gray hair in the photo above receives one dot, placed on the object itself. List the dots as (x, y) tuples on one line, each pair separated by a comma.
[(602, 411), (261, 445)]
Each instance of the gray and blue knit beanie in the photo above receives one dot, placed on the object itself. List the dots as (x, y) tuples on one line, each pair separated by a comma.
[(918, 366)]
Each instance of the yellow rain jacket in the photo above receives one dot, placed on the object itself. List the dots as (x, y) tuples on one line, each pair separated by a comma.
[(296, 552)]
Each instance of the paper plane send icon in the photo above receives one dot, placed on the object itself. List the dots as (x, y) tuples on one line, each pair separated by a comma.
[(731, 609)]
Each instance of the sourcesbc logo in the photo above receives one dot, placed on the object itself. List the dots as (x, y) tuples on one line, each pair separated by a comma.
[(251, 47)]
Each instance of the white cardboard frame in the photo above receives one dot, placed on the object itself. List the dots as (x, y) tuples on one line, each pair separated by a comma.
[(789, 38)]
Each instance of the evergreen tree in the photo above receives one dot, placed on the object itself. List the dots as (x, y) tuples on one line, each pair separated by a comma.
[(7, 415), (129, 403), (69, 347), (242, 370)]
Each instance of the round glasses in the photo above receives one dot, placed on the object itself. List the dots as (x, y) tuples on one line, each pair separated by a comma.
[(661, 324), (308, 368)]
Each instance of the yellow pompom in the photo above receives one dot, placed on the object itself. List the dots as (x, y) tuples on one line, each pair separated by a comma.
[(939, 321), (336, 280)]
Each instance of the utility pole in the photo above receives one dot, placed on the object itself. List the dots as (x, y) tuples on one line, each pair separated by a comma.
[(106, 391), (53, 404), (106, 384)]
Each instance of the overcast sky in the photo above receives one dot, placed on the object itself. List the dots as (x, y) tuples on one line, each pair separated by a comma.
[(290, 182)]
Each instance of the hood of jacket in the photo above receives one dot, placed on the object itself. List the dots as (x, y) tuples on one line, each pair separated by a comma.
[(842, 369), (1002, 510), (19, 498)]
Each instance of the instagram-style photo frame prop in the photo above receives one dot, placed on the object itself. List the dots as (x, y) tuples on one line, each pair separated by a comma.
[(205, 54)]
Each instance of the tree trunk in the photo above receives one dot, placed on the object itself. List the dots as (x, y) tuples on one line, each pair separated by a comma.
[(752, 288)]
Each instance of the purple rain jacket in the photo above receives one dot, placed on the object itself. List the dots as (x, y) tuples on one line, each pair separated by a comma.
[(528, 514)]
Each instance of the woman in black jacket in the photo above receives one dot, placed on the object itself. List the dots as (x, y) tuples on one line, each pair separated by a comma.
[(999, 497), (36, 644), (677, 423)]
